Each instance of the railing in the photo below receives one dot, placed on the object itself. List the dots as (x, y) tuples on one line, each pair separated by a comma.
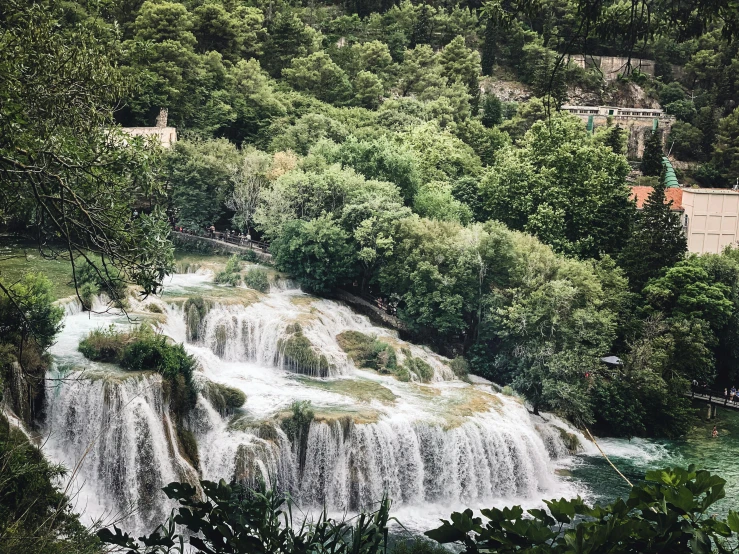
[(230, 239), (714, 397)]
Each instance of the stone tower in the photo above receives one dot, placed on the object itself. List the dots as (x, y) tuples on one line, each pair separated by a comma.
[(162, 118)]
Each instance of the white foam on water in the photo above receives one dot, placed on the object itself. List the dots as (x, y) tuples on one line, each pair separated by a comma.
[(432, 448)]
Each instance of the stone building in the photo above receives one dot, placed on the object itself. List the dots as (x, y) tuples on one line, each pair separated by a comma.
[(638, 123), (167, 135)]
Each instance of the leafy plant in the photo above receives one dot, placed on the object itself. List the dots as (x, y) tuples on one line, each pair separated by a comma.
[(669, 512), (257, 279), (234, 519)]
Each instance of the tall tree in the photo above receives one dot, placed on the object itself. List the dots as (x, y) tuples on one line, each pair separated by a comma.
[(726, 149), (656, 242), (65, 170), (492, 110), (651, 160)]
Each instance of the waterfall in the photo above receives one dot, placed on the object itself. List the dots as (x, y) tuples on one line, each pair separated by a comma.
[(114, 434), (446, 443)]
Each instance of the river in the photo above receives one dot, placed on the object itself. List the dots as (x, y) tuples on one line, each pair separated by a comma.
[(434, 447), (637, 456)]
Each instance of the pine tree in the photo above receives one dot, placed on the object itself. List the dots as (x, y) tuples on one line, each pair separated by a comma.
[(651, 160), (616, 140), (657, 241), (492, 111)]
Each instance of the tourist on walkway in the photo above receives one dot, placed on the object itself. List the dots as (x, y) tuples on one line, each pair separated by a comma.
[(726, 393)]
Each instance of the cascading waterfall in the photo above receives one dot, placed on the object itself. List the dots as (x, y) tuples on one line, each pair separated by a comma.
[(446, 443), (117, 433)]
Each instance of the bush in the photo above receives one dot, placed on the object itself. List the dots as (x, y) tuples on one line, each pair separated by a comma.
[(226, 278), (104, 345), (257, 279), (144, 350), (460, 367), (249, 256), (368, 352), (233, 265), (300, 356), (233, 518), (667, 513), (224, 398)]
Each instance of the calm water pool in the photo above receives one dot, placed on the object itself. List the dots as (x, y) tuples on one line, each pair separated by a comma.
[(634, 458)]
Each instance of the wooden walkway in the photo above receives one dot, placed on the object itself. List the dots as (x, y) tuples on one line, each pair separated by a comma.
[(234, 245), (714, 398)]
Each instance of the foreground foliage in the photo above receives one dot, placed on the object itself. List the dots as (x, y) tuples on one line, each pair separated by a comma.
[(233, 519), (35, 516), (669, 512)]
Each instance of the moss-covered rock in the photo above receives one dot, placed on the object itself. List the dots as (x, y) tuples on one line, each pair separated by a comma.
[(297, 354), (196, 308), (188, 446), (223, 398), (368, 352), (414, 366), (570, 440), (296, 426)]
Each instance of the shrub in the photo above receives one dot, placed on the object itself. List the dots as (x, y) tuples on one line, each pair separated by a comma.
[(257, 279), (460, 367), (249, 256), (368, 352), (233, 265), (667, 513), (226, 278), (143, 350), (104, 345), (224, 398), (234, 518)]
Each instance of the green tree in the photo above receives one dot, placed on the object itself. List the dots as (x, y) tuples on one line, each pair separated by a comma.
[(202, 175), (726, 148), (492, 110), (233, 34), (288, 38), (564, 187), (685, 141), (316, 252), (320, 76), (61, 157), (460, 63), (651, 160), (435, 200), (382, 160), (368, 90), (165, 21), (656, 242)]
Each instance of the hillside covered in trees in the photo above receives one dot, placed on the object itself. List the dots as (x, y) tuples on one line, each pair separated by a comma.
[(364, 142)]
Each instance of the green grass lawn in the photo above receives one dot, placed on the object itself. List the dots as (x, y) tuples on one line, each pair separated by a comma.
[(20, 255)]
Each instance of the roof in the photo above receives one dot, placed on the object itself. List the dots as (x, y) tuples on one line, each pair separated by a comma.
[(612, 360), (675, 195)]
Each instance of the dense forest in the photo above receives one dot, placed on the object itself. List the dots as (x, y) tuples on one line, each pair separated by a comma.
[(371, 144), (368, 146)]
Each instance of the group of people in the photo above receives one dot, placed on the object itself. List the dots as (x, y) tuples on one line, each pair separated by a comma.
[(731, 395)]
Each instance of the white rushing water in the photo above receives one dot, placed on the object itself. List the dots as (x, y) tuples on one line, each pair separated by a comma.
[(431, 447)]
